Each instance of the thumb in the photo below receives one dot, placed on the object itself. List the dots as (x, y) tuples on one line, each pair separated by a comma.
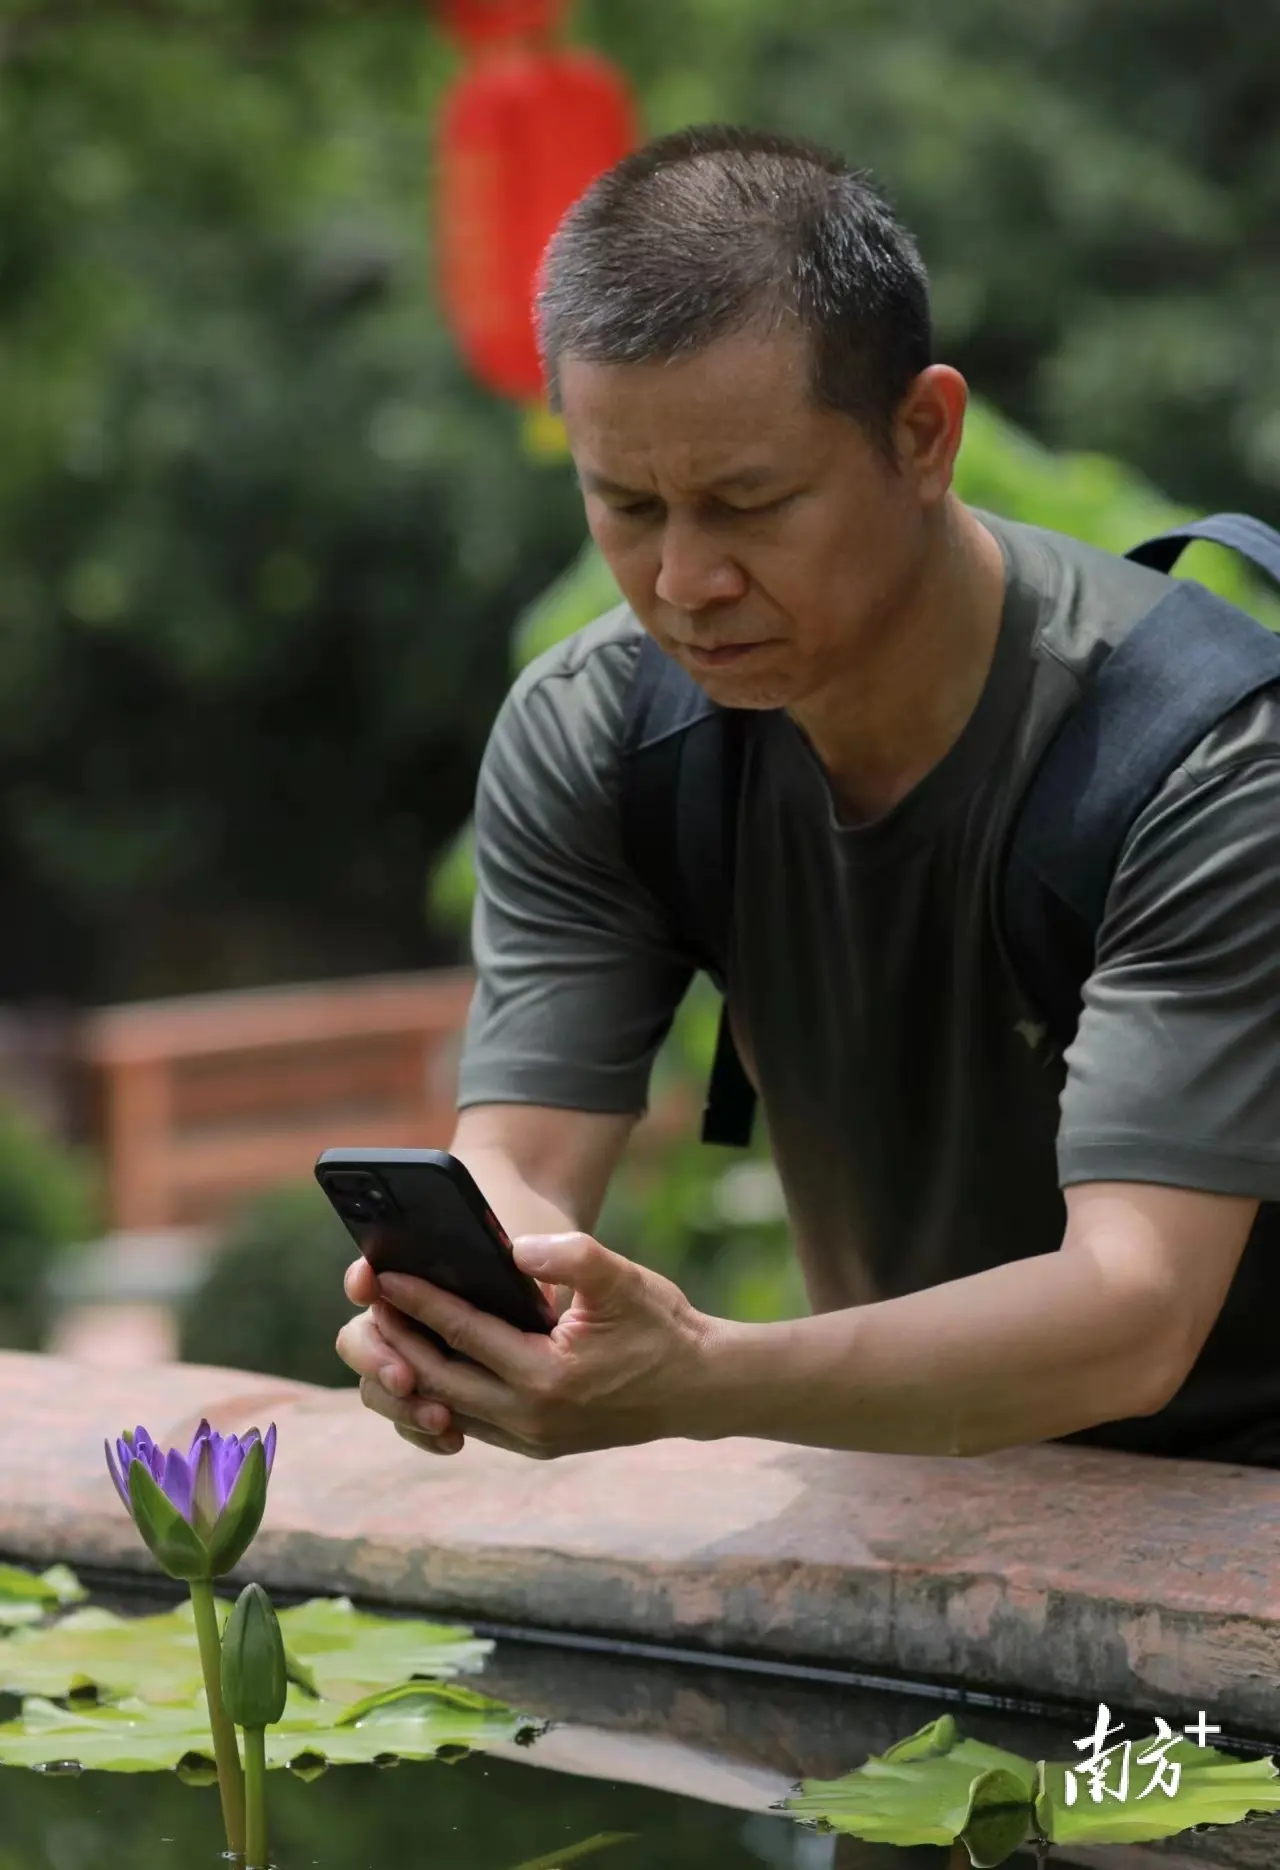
[(573, 1260)]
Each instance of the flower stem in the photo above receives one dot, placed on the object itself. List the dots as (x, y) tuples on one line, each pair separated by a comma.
[(255, 1789), (225, 1750)]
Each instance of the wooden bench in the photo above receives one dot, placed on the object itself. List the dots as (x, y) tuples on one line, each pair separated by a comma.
[(196, 1103)]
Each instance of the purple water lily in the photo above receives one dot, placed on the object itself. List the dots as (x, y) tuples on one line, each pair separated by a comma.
[(199, 1482), (208, 1489)]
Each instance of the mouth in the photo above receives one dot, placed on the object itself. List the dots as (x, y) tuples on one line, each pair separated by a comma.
[(710, 656)]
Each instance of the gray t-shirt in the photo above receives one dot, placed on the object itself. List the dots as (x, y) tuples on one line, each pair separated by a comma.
[(921, 1127)]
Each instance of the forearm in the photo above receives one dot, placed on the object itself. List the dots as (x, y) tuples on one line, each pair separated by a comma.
[(542, 1171), (1028, 1351), (521, 1208)]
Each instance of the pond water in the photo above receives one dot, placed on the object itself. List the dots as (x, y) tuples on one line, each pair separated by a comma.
[(677, 1764)]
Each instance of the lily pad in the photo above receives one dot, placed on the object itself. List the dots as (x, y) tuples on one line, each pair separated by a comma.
[(413, 1722), (936, 1787), (350, 1652), (924, 1790), (1212, 1789), (94, 1650), (333, 1650), (28, 1597)]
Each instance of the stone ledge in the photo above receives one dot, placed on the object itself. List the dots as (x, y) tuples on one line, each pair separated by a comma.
[(1056, 1573)]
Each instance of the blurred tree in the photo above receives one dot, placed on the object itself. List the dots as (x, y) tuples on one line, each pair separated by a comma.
[(272, 1300), (48, 1206), (260, 538)]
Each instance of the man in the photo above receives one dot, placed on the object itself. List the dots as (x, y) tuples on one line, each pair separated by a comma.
[(999, 1248)]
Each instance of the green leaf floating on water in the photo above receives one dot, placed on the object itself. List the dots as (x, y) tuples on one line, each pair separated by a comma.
[(29, 1597), (1213, 1789), (334, 1650), (937, 1786), (924, 1790), (351, 1652), (411, 1722)]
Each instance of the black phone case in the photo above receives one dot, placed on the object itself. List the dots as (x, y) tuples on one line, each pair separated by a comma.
[(419, 1211)]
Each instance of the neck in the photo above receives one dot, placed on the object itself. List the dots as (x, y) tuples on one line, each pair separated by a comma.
[(886, 719)]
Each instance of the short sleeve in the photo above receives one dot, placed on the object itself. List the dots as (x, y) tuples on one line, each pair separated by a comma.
[(1174, 1076), (577, 978)]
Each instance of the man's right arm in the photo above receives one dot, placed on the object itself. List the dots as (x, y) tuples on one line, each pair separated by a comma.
[(577, 974), (543, 1171)]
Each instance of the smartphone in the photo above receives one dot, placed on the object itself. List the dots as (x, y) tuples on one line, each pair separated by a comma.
[(419, 1211)]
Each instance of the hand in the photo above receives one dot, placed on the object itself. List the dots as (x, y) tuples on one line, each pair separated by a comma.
[(387, 1380), (629, 1360)]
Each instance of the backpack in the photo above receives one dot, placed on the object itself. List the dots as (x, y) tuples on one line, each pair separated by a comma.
[(1181, 668)]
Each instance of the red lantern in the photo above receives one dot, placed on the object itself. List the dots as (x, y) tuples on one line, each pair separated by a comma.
[(521, 137), (481, 22)]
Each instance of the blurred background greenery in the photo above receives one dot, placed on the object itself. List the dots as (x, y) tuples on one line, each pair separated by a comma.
[(269, 556)]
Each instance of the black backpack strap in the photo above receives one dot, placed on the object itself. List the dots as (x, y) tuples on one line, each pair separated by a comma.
[(1240, 531), (681, 775), (1180, 669)]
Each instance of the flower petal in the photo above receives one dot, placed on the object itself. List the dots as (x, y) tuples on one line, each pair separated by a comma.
[(114, 1471), (204, 1507), (176, 1481), (242, 1516), (233, 1454), (269, 1448), (201, 1434)]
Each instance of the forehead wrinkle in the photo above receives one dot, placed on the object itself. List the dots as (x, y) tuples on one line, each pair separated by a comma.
[(744, 479)]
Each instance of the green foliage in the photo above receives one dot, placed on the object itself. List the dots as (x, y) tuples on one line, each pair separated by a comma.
[(334, 1650), (938, 1786), (261, 538), (28, 1597), (124, 1694), (47, 1206), (413, 1722), (272, 1300)]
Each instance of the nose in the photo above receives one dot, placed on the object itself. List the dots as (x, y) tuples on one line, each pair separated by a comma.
[(695, 572)]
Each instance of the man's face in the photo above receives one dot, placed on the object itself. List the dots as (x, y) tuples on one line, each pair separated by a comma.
[(761, 540)]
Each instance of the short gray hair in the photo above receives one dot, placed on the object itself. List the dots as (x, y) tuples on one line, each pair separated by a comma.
[(713, 230)]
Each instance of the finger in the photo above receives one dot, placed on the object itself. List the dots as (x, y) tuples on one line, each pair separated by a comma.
[(360, 1282), (422, 1414), (512, 1355), (465, 1387), (559, 1298), (363, 1349), (432, 1444), (491, 1436), (599, 1277)]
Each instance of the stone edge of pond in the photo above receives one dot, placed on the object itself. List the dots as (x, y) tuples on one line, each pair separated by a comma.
[(1054, 1573)]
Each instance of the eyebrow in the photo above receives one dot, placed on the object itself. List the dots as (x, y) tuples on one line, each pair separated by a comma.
[(746, 479)]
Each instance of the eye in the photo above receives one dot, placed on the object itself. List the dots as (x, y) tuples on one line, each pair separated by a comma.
[(766, 506)]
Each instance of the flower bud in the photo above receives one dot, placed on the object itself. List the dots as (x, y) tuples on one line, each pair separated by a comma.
[(254, 1677)]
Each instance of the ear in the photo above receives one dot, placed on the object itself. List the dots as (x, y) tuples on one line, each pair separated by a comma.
[(928, 429)]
